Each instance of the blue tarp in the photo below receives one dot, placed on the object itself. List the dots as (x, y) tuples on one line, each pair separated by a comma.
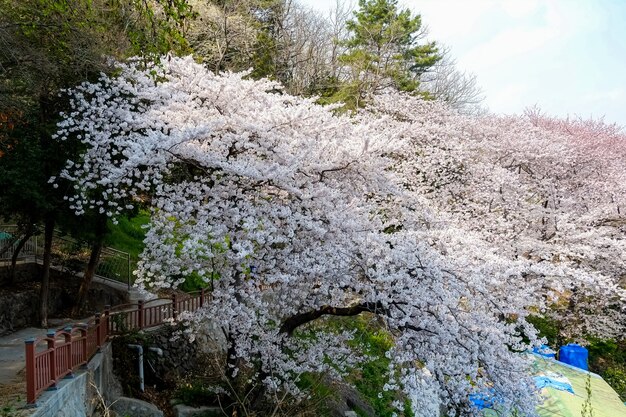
[(545, 351), (542, 381), (482, 400), (574, 355)]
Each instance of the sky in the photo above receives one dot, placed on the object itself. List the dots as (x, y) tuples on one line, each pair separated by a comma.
[(566, 56)]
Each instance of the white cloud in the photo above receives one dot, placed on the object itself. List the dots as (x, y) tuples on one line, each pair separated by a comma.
[(615, 94), (506, 45), (509, 98), (520, 8)]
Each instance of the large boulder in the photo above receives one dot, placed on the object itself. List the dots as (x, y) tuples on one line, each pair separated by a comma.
[(125, 406)]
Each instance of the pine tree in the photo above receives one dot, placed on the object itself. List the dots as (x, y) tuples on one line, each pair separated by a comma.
[(384, 51)]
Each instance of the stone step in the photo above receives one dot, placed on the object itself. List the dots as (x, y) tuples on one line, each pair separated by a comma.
[(181, 410)]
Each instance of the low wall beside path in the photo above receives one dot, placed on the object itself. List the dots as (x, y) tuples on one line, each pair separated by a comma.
[(60, 353), (86, 389)]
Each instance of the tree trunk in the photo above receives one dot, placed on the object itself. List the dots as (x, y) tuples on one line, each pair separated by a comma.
[(16, 252), (238, 381), (45, 276), (9, 244), (90, 271)]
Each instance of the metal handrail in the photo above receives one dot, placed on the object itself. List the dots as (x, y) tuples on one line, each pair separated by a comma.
[(34, 249)]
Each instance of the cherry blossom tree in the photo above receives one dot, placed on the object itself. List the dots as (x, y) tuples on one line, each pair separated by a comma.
[(536, 188), (296, 214)]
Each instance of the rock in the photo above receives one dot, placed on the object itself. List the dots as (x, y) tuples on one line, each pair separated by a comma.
[(125, 406), (211, 339), (179, 356), (181, 410), (346, 399), (350, 414)]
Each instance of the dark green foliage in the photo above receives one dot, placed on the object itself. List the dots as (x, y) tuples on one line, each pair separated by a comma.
[(384, 51), (607, 350), (193, 282), (616, 378), (264, 59), (608, 358), (547, 328), (48, 45), (195, 394), (268, 59), (20, 183)]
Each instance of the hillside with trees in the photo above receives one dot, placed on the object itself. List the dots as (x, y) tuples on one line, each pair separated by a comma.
[(335, 184)]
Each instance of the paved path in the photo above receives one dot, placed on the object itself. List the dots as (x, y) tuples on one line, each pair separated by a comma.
[(13, 364), (12, 352)]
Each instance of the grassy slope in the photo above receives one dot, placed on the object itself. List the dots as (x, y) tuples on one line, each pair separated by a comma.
[(128, 235)]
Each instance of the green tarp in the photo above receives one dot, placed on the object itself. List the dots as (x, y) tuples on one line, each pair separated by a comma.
[(560, 403), (604, 400)]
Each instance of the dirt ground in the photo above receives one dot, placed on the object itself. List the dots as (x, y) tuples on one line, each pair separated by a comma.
[(13, 398)]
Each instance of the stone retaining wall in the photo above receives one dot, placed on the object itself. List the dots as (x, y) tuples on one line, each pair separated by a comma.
[(80, 395), (19, 306), (24, 272), (179, 357)]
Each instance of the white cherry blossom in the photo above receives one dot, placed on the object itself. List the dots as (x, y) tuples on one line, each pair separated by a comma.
[(409, 211)]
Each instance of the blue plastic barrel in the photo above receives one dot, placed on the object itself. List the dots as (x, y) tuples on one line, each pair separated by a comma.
[(574, 355)]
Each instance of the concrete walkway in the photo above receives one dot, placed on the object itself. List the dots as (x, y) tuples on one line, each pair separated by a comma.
[(13, 366), (12, 351)]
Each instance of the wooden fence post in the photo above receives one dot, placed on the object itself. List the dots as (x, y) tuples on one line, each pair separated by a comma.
[(98, 331), (69, 356), (107, 317), (174, 306), (53, 357), (202, 298), (29, 345), (140, 314), (83, 344)]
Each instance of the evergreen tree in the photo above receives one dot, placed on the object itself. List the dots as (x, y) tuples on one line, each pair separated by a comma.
[(383, 51)]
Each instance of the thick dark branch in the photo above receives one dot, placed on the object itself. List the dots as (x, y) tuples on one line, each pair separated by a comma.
[(292, 323), (323, 172), (417, 329)]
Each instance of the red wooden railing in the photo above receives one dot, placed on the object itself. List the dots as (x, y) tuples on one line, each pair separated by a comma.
[(59, 353)]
